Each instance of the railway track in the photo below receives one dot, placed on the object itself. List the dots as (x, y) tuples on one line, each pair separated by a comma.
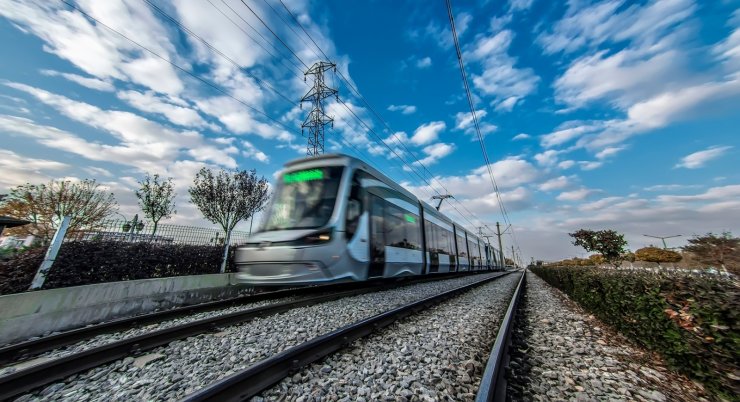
[(493, 383), (250, 382), (27, 350), (37, 376)]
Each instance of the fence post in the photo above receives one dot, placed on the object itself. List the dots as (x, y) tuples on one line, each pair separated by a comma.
[(51, 254), (226, 252)]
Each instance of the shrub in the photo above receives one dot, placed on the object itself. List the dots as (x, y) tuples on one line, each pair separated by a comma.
[(88, 262), (692, 321)]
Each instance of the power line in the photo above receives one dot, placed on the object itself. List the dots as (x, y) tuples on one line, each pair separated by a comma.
[(177, 66), (273, 33), (220, 53), (379, 117), (471, 104), (283, 60)]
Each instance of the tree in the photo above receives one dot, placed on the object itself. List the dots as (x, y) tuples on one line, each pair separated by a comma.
[(156, 198), (44, 205), (228, 197), (658, 255), (608, 243), (716, 250)]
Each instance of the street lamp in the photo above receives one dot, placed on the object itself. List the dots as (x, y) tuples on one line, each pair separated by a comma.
[(133, 225), (662, 238)]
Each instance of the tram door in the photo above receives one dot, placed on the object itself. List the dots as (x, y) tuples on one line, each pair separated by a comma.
[(377, 238)]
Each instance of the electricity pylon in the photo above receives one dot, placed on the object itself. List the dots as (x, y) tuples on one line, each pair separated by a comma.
[(317, 119)]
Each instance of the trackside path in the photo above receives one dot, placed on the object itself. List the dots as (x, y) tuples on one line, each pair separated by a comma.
[(562, 353)]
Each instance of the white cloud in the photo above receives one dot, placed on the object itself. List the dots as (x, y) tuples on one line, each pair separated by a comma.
[(464, 122), (434, 153), (671, 187), (608, 152), (557, 183), (426, 62), (499, 78), (507, 105), (519, 5), (665, 108), (547, 158), (89, 82), (566, 164), (575, 195), (19, 169), (171, 109), (590, 165), (140, 141), (569, 131), (404, 109), (252, 152), (428, 132), (98, 51), (521, 136), (700, 158), (590, 25)]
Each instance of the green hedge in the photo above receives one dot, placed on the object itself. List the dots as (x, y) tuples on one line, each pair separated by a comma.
[(692, 321), (88, 262)]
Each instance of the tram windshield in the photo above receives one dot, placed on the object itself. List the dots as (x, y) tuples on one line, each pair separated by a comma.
[(303, 199)]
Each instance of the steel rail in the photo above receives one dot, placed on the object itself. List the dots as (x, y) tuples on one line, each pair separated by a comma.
[(254, 379), (493, 382), (45, 373), (26, 350)]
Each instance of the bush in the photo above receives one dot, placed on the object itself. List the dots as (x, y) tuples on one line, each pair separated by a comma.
[(88, 262), (692, 321)]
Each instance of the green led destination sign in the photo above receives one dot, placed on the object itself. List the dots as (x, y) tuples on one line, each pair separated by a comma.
[(304, 175), (409, 218)]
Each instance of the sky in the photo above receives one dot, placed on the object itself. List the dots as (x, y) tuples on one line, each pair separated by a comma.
[(594, 114)]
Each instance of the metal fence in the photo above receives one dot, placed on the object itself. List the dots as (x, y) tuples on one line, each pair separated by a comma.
[(127, 231)]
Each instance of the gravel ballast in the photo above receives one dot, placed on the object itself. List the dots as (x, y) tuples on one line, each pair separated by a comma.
[(184, 366), (437, 354), (561, 352)]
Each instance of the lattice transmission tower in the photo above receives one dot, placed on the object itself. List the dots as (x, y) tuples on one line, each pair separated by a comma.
[(317, 119)]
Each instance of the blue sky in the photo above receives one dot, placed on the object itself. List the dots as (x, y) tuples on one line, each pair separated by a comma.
[(605, 114)]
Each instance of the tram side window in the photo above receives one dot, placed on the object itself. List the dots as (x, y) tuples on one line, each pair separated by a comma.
[(473, 252), (461, 249), (354, 206), (377, 237), (401, 228)]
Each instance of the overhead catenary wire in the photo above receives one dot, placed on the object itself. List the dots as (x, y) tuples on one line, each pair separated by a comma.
[(367, 127), (213, 48), (177, 66), (293, 65), (471, 104), (356, 92)]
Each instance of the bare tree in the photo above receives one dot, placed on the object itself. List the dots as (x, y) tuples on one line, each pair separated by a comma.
[(716, 250), (228, 197), (156, 198), (44, 205)]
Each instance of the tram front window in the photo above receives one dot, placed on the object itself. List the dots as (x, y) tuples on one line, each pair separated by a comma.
[(304, 199)]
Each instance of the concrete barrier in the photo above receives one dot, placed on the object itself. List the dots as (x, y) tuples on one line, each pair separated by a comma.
[(30, 314)]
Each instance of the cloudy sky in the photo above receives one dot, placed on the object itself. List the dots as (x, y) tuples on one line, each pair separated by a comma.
[(605, 114)]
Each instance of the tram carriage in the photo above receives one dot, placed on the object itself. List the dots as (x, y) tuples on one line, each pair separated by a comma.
[(336, 218)]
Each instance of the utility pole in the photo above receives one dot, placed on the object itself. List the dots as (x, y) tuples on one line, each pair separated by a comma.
[(662, 238), (317, 119), (441, 198), (502, 260), (513, 256)]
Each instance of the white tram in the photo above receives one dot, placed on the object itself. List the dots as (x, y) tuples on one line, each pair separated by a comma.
[(336, 218)]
